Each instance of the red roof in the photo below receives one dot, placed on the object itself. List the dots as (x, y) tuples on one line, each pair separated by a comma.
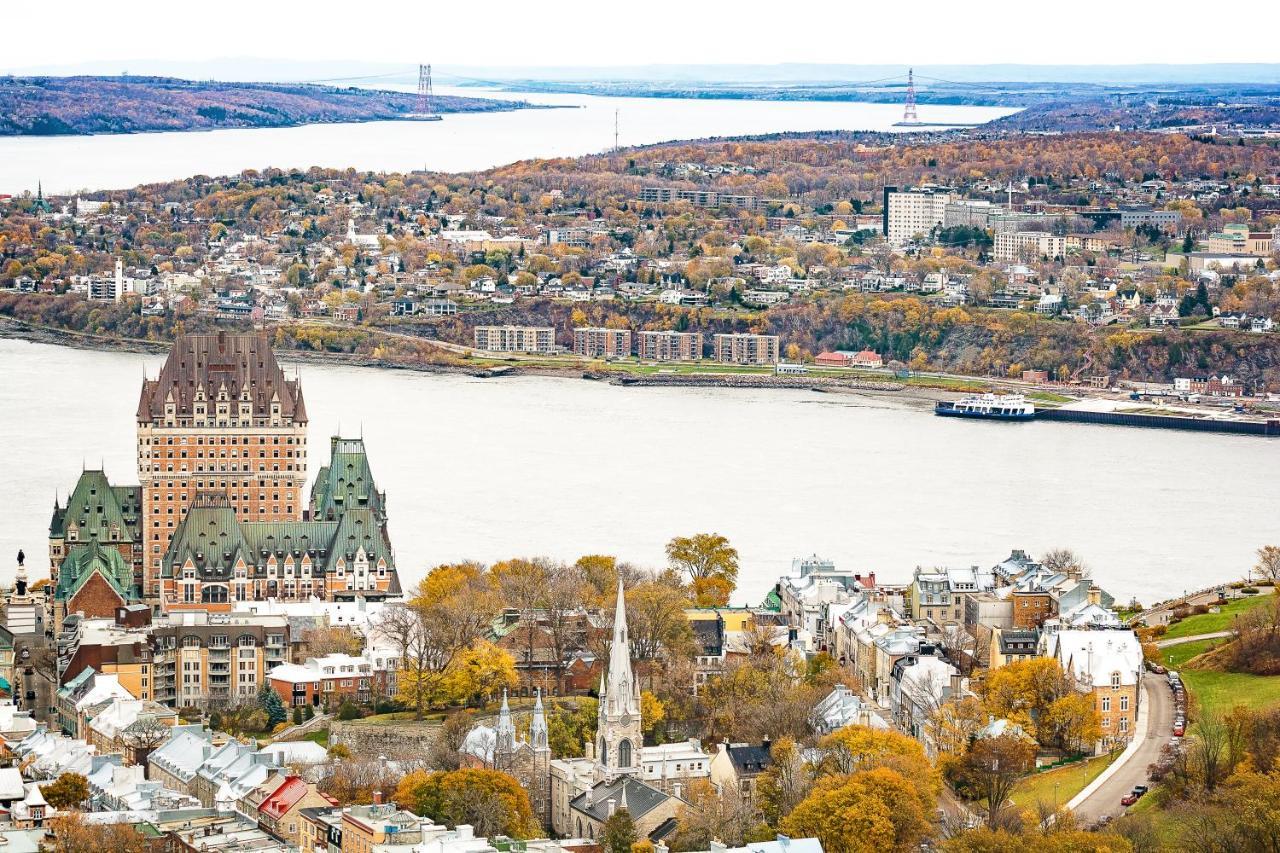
[(279, 801)]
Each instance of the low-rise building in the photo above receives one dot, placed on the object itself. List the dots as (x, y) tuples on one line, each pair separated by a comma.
[(670, 346), (535, 339), (594, 342), (747, 349)]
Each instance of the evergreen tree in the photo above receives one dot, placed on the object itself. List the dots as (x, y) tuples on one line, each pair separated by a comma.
[(272, 706)]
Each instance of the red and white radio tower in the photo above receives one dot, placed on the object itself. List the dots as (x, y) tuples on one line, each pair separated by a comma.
[(909, 112)]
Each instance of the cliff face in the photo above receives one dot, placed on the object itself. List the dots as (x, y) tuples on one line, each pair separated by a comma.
[(84, 105)]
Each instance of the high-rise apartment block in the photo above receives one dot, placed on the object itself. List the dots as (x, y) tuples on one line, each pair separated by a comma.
[(913, 212)]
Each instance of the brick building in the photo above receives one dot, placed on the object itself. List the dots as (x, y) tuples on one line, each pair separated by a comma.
[(221, 416), (747, 349), (670, 346), (594, 342)]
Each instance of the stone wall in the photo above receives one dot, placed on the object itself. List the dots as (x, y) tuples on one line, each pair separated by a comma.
[(398, 739)]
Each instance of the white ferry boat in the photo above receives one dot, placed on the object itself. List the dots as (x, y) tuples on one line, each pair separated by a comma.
[(1000, 407)]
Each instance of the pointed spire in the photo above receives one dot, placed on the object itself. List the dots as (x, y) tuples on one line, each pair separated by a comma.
[(621, 687), (538, 728), (506, 728)]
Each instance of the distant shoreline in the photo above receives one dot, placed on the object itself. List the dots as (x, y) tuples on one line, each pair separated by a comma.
[(47, 107)]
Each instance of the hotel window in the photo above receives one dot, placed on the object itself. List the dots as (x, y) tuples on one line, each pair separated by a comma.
[(1124, 703), (1115, 681), (1106, 703)]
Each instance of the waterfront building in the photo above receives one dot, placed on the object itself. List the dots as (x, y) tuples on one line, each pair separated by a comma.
[(537, 339), (592, 342), (747, 349), (222, 435), (222, 418), (670, 346)]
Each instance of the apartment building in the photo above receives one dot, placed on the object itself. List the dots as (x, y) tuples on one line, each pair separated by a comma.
[(670, 346), (1016, 245), (538, 339), (595, 342), (699, 198), (747, 349), (199, 656), (913, 212)]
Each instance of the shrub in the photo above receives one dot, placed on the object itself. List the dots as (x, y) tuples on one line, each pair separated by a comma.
[(348, 711), (1249, 590), (1200, 610), (297, 716)]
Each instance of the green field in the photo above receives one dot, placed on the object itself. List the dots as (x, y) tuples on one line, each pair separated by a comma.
[(1222, 691), (1208, 623), (1070, 780)]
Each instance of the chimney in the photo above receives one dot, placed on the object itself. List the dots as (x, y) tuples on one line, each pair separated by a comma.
[(676, 789), (659, 847), (589, 750), (613, 806), (465, 832), (784, 840), (377, 798), (722, 747)]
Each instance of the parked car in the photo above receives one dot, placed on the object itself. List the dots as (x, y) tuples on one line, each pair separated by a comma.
[(1129, 799), (1140, 790), (1179, 729)]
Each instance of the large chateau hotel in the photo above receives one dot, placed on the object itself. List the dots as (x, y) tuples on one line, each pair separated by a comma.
[(219, 516)]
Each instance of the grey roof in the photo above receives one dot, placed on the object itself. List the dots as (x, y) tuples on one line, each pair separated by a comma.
[(639, 798), (750, 759)]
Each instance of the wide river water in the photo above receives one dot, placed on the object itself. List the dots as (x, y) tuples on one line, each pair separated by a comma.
[(461, 142), (493, 468)]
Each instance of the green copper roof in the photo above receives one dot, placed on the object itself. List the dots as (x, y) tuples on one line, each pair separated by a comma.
[(96, 507), (346, 482), (83, 561)]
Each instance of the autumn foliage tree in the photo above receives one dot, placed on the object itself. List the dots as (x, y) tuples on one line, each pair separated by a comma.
[(871, 810), (491, 801), (711, 564), (68, 791)]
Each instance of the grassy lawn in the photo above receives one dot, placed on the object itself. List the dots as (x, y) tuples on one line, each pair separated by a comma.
[(1222, 691), (1048, 397), (1176, 656), (1069, 781), (1208, 623), (321, 737)]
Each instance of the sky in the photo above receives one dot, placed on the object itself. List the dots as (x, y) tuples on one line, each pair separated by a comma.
[(578, 32)]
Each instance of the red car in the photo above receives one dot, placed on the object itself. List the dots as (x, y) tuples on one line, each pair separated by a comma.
[(1129, 799), (1179, 730)]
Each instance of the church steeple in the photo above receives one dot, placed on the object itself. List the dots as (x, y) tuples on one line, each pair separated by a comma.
[(619, 737), (538, 728), (506, 728)]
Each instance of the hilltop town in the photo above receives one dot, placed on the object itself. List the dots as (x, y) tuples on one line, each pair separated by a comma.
[(209, 660), (1078, 260)]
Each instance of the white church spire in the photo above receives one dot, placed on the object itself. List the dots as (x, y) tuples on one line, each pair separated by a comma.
[(621, 688), (538, 728), (506, 728)]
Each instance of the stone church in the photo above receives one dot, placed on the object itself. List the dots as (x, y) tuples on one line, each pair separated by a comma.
[(618, 770)]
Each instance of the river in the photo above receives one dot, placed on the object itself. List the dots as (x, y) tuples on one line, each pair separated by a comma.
[(493, 468), (461, 142)]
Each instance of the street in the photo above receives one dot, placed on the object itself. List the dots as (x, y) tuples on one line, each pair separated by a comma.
[(1106, 799)]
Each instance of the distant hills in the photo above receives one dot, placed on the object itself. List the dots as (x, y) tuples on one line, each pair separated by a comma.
[(253, 68), (45, 106)]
